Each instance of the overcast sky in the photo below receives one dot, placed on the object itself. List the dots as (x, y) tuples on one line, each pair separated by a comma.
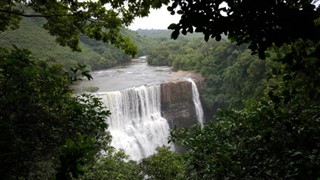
[(157, 19)]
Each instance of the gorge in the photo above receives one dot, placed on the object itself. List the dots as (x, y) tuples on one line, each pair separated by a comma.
[(141, 115)]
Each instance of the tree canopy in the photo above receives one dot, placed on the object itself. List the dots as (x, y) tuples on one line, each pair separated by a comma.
[(262, 25), (277, 135), (67, 19)]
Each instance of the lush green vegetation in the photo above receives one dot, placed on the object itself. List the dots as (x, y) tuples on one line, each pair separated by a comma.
[(41, 121), (232, 75), (274, 131), (165, 164), (46, 132), (271, 132), (276, 134), (31, 35), (68, 20)]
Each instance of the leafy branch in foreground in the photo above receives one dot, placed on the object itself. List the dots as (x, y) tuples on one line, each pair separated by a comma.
[(261, 25), (68, 19), (259, 142), (38, 115)]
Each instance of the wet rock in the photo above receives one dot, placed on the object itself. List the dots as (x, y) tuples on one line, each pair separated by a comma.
[(176, 100)]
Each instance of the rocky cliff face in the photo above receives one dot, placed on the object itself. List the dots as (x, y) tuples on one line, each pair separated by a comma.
[(176, 100)]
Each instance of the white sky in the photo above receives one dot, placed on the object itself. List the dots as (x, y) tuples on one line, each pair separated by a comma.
[(157, 19)]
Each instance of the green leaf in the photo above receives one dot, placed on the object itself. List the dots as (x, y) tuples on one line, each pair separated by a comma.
[(175, 34), (180, 12), (172, 26)]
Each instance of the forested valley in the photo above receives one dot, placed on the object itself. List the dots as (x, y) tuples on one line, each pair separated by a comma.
[(261, 90)]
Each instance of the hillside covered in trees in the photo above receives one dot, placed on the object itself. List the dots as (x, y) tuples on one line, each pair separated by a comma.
[(32, 36), (232, 75)]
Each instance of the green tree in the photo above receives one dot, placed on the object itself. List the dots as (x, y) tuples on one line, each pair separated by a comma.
[(38, 114), (165, 164), (111, 165), (262, 25), (274, 137), (160, 56), (68, 19), (259, 142)]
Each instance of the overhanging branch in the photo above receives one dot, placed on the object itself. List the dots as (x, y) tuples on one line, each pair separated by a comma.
[(33, 15)]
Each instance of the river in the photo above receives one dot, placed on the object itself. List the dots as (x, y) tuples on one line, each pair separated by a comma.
[(133, 74)]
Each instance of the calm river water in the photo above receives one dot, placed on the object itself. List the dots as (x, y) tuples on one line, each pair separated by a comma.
[(133, 74)]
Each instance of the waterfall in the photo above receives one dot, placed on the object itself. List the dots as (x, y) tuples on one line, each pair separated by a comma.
[(136, 124), (197, 102)]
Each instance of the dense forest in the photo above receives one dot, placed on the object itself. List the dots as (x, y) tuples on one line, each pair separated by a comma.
[(261, 72), (232, 75), (96, 55)]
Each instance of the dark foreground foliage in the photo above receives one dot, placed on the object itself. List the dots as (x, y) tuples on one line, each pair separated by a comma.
[(274, 137), (39, 115), (259, 142)]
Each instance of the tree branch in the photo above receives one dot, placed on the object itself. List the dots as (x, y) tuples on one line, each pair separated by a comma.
[(33, 15)]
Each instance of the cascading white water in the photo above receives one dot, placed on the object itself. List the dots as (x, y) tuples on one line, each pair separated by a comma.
[(197, 102), (136, 124)]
